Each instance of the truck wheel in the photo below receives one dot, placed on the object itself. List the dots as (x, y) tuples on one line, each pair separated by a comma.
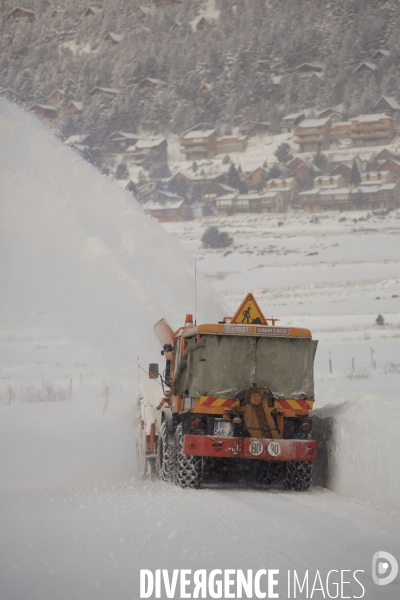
[(189, 469), (269, 472), (166, 455), (298, 475)]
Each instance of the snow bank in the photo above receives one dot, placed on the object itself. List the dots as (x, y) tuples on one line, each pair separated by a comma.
[(77, 247), (359, 449)]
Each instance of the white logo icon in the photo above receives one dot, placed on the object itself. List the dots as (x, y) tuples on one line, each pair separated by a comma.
[(380, 565), (274, 449)]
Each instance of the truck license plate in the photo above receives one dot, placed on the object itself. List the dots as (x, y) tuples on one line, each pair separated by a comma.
[(223, 428)]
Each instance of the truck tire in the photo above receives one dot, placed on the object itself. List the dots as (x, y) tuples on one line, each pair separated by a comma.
[(189, 469), (166, 455), (298, 475)]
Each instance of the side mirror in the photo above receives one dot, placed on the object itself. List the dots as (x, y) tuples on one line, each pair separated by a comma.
[(153, 371)]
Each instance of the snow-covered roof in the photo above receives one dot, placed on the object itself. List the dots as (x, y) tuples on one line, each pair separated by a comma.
[(314, 122), (276, 79), (45, 106), (327, 177), (230, 196), (170, 195), (145, 9), (209, 85), (116, 37), (391, 101), (384, 52), (78, 105), (293, 116), (370, 65), (281, 180), (198, 134), (27, 10), (105, 90), (338, 158), (313, 192), (95, 9), (241, 138), (169, 205), (370, 117), (76, 139), (334, 191), (147, 144), (153, 80)]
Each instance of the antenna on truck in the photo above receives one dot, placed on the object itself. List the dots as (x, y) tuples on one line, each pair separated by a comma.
[(195, 290)]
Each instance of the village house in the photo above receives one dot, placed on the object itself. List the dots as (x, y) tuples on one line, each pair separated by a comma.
[(393, 166), (309, 200), (138, 152), (142, 11), (312, 135), (376, 177), (344, 171), (373, 129), (347, 159), (104, 94), (168, 207), (291, 121), (288, 187), (201, 24), (204, 92), (199, 144), (387, 105), (380, 55), (118, 142), (256, 178), (56, 97), (364, 70), (22, 13), (334, 115), (329, 181), (46, 113), (303, 171), (202, 182), (147, 191), (92, 11), (216, 190), (74, 108), (151, 83), (231, 143), (375, 197), (315, 78), (270, 201), (385, 154), (80, 141), (340, 133), (335, 198), (305, 70), (252, 128), (114, 38)]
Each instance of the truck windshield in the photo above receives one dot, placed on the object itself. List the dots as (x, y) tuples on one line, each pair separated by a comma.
[(221, 365)]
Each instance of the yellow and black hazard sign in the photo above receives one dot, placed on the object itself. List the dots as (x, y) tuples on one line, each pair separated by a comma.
[(249, 313)]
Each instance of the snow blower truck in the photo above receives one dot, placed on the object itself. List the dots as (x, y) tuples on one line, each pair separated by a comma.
[(234, 398)]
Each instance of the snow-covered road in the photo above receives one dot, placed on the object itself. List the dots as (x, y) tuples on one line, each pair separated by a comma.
[(64, 543)]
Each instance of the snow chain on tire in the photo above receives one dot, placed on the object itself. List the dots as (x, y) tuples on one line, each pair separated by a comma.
[(166, 455), (298, 475), (189, 469)]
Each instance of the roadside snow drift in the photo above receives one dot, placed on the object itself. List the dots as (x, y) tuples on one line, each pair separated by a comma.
[(77, 247)]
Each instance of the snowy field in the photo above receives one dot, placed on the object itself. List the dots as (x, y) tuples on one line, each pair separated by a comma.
[(84, 277)]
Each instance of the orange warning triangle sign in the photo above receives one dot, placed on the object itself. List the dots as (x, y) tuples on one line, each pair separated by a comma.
[(249, 313)]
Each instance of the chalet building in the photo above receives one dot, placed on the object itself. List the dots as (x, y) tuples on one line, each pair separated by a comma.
[(216, 190), (231, 143), (309, 200), (256, 178), (56, 97), (313, 134), (393, 166), (270, 201), (225, 205), (168, 207), (162, 3), (307, 69), (147, 191), (347, 159), (104, 94), (380, 55), (323, 181), (74, 108), (377, 197), (119, 142), (114, 38), (373, 129), (291, 121), (138, 152), (46, 113), (387, 105), (340, 133), (182, 176), (203, 182), (204, 92), (376, 177), (201, 24), (303, 171), (344, 171), (315, 78), (142, 12), (11, 95), (252, 128), (364, 70), (334, 115), (151, 82), (199, 144), (385, 154), (92, 11), (288, 187), (335, 198), (22, 13)]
